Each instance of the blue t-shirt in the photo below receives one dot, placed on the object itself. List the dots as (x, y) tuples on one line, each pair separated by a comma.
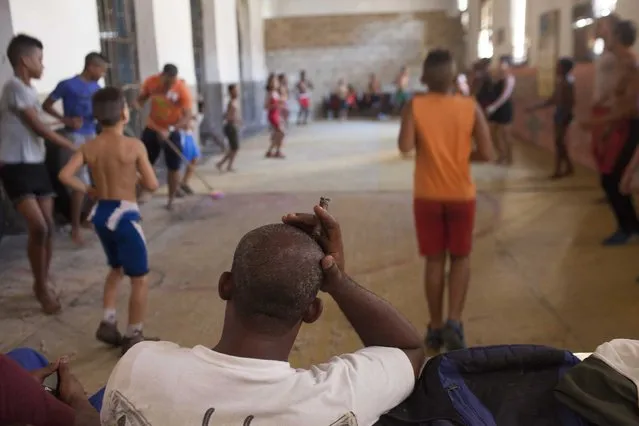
[(76, 95)]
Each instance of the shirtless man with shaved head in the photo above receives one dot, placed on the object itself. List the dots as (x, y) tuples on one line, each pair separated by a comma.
[(271, 290)]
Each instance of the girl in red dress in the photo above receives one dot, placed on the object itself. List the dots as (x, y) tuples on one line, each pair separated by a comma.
[(273, 106)]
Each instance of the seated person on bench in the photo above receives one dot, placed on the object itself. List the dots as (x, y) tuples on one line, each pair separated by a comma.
[(271, 290), (24, 400)]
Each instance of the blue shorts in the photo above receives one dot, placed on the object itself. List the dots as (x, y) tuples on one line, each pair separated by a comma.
[(117, 224)]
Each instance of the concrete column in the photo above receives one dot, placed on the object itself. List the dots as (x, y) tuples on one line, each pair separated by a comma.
[(472, 35), (145, 32), (6, 32), (224, 22)]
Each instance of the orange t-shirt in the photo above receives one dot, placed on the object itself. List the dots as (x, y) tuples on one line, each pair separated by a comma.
[(444, 126), (167, 106)]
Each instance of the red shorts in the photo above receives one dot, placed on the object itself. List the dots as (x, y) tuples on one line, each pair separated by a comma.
[(444, 226), (305, 102), (274, 120)]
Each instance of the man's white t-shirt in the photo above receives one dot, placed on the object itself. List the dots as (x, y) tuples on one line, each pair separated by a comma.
[(162, 384)]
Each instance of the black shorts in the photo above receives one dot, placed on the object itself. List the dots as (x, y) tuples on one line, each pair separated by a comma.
[(155, 144), (504, 115), (26, 180), (230, 131)]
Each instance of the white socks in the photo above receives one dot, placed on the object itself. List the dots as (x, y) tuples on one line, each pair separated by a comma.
[(109, 316), (133, 329)]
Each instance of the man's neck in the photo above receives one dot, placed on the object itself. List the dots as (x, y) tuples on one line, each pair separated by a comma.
[(23, 75), (85, 76)]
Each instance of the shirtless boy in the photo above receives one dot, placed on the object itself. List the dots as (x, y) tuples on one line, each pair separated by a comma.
[(117, 163), (232, 121)]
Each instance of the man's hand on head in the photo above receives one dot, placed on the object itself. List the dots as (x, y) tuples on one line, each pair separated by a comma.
[(330, 238)]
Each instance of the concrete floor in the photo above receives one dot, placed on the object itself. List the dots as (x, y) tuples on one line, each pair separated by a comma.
[(539, 273)]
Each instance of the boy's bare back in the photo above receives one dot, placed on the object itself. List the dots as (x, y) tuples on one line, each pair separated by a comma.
[(114, 161)]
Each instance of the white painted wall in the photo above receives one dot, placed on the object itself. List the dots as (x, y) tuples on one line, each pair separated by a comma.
[(285, 8), (67, 28), (173, 36)]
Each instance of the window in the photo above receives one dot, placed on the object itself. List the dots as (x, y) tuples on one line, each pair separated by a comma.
[(485, 39), (603, 7), (198, 43), (118, 41), (583, 32), (464, 16), (518, 32)]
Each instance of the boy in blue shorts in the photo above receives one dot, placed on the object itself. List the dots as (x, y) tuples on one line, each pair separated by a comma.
[(117, 164)]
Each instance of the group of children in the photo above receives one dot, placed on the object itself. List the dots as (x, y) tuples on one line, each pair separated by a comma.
[(106, 166), (117, 164), (277, 108)]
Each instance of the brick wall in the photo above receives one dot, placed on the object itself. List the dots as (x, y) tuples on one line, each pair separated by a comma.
[(353, 46), (538, 128)]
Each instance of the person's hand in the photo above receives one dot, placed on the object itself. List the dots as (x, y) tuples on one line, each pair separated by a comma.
[(71, 390), (42, 373), (330, 238), (92, 192), (74, 123)]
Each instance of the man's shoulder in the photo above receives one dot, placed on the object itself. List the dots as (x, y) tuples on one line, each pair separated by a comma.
[(145, 350), (15, 84), (365, 361), (151, 80)]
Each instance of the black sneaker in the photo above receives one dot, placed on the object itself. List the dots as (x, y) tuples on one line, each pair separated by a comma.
[(453, 335), (130, 341), (187, 189), (108, 333), (434, 339)]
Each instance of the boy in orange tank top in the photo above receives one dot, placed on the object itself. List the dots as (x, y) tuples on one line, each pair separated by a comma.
[(440, 126)]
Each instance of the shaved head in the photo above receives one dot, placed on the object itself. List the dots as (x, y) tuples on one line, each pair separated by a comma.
[(276, 274)]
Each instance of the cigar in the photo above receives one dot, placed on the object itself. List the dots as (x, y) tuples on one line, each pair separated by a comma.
[(323, 203)]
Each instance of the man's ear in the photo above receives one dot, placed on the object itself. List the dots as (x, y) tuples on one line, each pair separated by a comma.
[(313, 312), (225, 286)]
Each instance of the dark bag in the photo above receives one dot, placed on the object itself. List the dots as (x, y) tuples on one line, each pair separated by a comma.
[(509, 385)]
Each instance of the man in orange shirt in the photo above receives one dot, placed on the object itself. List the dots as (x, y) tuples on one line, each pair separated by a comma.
[(441, 126), (171, 104)]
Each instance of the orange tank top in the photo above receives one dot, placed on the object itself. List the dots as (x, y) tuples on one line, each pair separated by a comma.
[(444, 127)]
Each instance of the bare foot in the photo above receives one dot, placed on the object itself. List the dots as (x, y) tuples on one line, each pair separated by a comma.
[(169, 206), (50, 304), (219, 167), (76, 237), (231, 169)]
